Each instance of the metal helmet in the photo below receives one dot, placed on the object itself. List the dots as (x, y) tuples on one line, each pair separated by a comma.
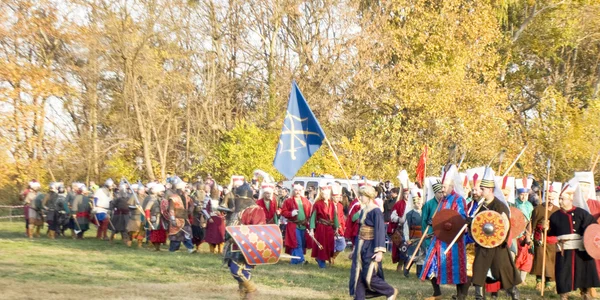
[(53, 187)]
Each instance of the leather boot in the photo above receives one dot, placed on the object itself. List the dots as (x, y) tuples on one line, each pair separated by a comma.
[(564, 296), (220, 248), (241, 290), (514, 293), (211, 248), (112, 237), (156, 246), (437, 292), (419, 270), (30, 232), (251, 290), (462, 290), (37, 231), (479, 293), (335, 255), (52, 234), (128, 243), (586, 294), (139, 244)]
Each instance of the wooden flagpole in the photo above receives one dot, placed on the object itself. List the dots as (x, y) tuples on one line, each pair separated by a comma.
[(545, 226)]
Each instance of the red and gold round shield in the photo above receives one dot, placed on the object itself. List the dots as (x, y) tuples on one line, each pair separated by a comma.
[(517, 223), (591, 240), (489, 228), (446, 224)]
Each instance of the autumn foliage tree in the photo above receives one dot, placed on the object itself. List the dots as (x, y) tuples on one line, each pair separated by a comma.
[(197, 87)]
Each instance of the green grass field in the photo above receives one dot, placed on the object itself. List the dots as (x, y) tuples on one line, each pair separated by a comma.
[(78, 269)]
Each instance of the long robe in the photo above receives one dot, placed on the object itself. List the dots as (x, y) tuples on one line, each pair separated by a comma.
[(498, 259), (352, 220), (215, 227), (288, 206), (574, 268), (450, 268), (400, 209), (324, 233), (370, 216), (537, 222)]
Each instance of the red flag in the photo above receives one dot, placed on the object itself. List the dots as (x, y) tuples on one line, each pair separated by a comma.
[(421, 167)]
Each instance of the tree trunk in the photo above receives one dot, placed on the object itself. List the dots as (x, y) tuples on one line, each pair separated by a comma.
[(131, 93)]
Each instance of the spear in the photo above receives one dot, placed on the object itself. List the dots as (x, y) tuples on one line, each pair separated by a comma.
[(595, 162), (514, 162), (548, 165), (462, 158)]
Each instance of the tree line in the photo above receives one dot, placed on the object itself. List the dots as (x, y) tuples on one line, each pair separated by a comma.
[(89, 87)]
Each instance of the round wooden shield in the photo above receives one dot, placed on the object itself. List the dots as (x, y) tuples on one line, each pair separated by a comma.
[(591, 240), (517, 223), (446, 224), (489, 228)]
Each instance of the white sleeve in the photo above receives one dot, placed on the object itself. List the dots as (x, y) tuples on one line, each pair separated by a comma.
[(402, 220), (394, 217)]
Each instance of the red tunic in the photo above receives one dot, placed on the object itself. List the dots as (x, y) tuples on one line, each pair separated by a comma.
[(352, 227), (341, 219), (215, 230), (399, 208), (287, 207), (324, 233), (269, 213)]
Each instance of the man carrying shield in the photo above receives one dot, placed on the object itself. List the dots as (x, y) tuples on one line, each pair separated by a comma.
[(574, 267), (490, 232), (447, 268), (247, 212)]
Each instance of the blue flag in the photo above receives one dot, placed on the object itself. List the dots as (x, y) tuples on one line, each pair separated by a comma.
[(301, 135)]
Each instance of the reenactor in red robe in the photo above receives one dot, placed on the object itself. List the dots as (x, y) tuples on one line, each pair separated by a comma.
[(296, 210), (323, 224), (268, 203)]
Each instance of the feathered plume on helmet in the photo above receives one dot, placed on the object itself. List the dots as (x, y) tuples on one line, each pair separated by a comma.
[(266, 177), (404, 181)]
